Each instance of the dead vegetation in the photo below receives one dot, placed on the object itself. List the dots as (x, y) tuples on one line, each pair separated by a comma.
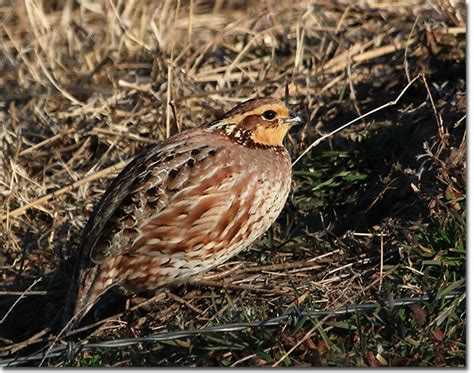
[(377, 211)]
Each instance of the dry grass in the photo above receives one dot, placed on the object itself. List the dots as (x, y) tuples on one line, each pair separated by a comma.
[(376, 211)]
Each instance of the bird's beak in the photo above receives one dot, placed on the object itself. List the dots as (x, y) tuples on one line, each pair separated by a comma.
[(294, 119)]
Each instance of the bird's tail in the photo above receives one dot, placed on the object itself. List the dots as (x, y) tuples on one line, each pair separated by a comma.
[(85, 290)]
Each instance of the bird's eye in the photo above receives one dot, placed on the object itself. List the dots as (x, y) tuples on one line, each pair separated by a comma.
[(269, 115)]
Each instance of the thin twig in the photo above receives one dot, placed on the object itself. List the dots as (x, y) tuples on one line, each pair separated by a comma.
[(388, 104), (125, 29), (308, 335), (439, 119), (405, 57), (56, 85), (20, 298), (35, 338), (185, 302), (381, 262)]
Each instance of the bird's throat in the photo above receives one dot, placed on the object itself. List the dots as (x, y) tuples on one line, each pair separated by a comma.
[(270, 136)]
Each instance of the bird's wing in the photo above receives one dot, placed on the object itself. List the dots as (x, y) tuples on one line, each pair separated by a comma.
[(168, 199), (108, 214)]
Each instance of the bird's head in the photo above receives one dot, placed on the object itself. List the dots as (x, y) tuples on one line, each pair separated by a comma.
[(259, 121)]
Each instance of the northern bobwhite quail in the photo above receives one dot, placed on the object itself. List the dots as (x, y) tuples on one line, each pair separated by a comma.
[(187, 204)]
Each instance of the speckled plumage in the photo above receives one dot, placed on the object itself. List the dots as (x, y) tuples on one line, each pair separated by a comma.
[(187, 204)]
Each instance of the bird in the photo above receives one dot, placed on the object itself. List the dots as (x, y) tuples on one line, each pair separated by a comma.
[(186, 204)]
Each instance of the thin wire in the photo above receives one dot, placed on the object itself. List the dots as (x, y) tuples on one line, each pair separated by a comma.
[(71, 348)]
